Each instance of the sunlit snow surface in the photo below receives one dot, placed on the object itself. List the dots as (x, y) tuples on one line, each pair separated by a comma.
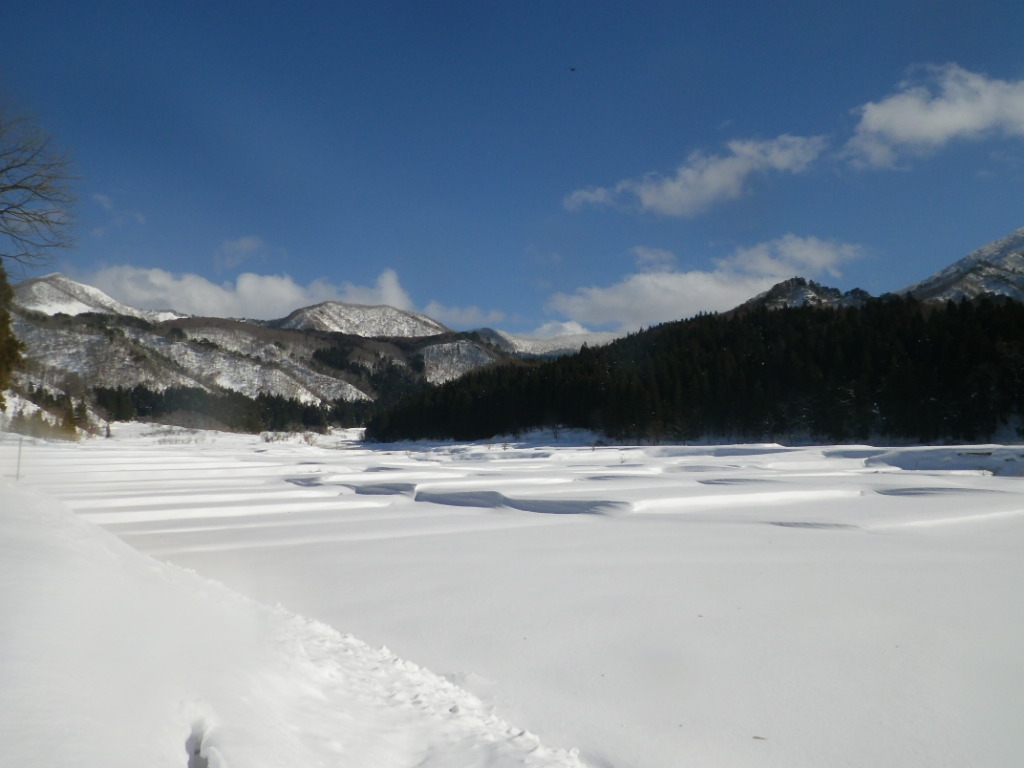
[(656, 606)]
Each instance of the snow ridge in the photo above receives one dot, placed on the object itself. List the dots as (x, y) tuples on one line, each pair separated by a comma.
[(361, 320), (995, 269), (55, 293)]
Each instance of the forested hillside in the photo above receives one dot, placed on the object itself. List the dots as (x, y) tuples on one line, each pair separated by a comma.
[(81, 370), (892, 369)]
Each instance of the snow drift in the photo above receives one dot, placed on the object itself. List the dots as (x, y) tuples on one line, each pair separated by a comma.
[(113, 659)]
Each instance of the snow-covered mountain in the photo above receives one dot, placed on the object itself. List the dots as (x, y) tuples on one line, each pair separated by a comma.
[(997, 269), (65, 356), (76, 338), (56, 294), (361, 320)]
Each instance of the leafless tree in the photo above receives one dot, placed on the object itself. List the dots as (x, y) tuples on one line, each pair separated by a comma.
[(35, 192)]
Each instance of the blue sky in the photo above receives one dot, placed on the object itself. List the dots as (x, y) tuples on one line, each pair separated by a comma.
[(532, 166)]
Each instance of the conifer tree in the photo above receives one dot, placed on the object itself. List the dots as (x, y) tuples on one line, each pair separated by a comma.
[(10, 347)]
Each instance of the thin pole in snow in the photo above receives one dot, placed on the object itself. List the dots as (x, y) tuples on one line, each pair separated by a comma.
[(17, 472)]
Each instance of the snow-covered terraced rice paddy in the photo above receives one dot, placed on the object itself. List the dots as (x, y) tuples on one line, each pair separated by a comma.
[(653, 606)]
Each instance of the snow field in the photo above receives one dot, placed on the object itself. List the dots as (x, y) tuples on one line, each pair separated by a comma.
[(653, 606), (113, 659)]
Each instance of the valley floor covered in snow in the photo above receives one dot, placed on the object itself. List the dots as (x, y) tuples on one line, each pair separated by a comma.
[(175, 598)]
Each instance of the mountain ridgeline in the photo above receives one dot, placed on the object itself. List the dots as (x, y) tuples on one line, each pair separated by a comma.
[(940, 360), (892, 368), (89, 358)]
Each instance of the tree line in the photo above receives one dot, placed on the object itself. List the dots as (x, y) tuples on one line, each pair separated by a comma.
[(223, 409), (893, 369)]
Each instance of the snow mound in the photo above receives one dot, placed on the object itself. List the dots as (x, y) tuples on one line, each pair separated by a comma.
[(137, 662)]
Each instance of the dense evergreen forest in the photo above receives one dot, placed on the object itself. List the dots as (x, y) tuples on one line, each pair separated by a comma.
[(893, 369), (194, 407)]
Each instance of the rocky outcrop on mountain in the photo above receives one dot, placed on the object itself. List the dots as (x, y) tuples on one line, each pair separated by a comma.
[(800, 292)]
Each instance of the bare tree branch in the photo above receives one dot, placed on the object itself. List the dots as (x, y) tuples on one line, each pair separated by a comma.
[(35, 192)]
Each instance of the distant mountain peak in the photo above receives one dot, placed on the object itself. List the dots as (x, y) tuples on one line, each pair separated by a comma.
[(801, 292), (996, 269), (58, 294), (361, 320)]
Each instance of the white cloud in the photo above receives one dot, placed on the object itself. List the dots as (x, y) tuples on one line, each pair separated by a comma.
[(557, 328), (250, 295), (388, 290), (947, 103), (266, 297), (704, 180), (650, 297), (791, 255)]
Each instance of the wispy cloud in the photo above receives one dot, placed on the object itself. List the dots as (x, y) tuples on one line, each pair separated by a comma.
[(653, 259), (648, 297), (117, 216), (704, 180), (945, 103), (234, 253)]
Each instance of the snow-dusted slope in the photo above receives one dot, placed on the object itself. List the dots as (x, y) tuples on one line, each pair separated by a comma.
[(996, 269), (73, 355), (55, 293), (127, 356), (360, 320), (444, 362)]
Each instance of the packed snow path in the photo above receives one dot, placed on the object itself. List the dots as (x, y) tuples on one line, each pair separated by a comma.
[(653, 606)]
